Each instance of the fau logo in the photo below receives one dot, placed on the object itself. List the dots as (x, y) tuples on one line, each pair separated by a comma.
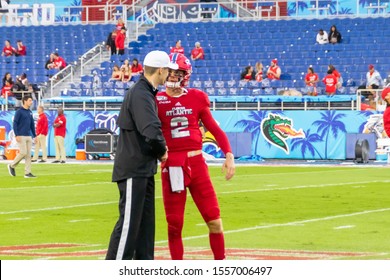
[(104, 120)]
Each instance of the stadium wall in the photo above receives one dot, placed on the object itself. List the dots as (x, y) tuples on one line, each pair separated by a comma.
[(275, 134)]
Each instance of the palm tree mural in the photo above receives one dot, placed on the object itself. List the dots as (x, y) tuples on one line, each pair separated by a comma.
[(306, 144), (83, 123), (330, 123), (86, 123), (345, 11), (74, 10), (253, 125), (293, 7)]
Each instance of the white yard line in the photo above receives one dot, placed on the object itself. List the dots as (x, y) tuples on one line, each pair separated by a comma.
[(159, 197), (288, 224), (354, 184)]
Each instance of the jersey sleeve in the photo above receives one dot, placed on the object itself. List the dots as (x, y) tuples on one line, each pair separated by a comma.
[(211, 125)]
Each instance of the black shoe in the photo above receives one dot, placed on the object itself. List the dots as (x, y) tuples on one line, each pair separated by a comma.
[(33, 160), (62, 161), (29, 175), (42, 160), (56, 161), (11, 170)]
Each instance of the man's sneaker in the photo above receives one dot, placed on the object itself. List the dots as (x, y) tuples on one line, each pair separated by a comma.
[(33, 160), (56, 161), (62, 161), (29, 175), (42, 160), (11, 170)]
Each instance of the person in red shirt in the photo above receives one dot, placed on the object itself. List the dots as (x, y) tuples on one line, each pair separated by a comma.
[(20, 49), (180, 111), (136, 69), (58, 62), (59, 136), (330, 82), (197, 52), (248, 74), (337, 75), (6, 90), (274, 71), (8, 50), (120, 41), (41, 131), (177, 48), (311, 81), (386, 114)]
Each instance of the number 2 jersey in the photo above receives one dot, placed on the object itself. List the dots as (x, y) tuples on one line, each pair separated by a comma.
[(180, 116)]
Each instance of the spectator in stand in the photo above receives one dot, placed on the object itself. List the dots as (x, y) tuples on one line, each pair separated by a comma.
[(322, 37), (248, 74), (58, 62), (21, 83), (41, 131), (177, 48), (126, 64), (116, 73), (50, 62), (59, 136), (274, 71), (311, 81), (136, 69), (330, 82), (373, 81), (7, 77), (8, 50), (197, 52), (126, 71), (259, 71), (6, 90), (110, 42), (337, 75), (334, 35), (20, 49), (120, 41), (119, 25)]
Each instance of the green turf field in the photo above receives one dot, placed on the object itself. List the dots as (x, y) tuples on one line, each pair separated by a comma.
[(269, 212)]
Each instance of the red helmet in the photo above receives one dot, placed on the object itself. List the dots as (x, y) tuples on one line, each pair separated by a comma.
[(184, 65)]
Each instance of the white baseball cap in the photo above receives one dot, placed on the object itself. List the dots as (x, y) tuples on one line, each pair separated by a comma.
[(159, 59)]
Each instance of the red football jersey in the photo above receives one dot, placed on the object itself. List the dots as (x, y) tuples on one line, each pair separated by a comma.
[(180, 116)]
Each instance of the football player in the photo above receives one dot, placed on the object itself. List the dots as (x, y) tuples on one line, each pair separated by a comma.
[(180, 110)]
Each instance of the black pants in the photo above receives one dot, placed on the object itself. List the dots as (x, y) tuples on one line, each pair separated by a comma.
[(133, 234)]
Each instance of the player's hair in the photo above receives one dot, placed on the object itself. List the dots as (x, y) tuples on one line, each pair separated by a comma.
[(25, 98)]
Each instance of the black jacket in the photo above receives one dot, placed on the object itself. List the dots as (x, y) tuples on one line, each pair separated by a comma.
[(141, 141)]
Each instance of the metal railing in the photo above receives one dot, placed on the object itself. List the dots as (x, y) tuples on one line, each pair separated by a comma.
[(60, 77), (90, 56)]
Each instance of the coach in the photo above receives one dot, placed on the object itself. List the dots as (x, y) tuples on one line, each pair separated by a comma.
[(140, 144)]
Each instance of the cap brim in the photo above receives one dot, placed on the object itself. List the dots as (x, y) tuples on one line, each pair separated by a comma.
[(173, 66)]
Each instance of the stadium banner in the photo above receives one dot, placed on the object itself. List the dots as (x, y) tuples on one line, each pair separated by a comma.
[(309, 135)]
